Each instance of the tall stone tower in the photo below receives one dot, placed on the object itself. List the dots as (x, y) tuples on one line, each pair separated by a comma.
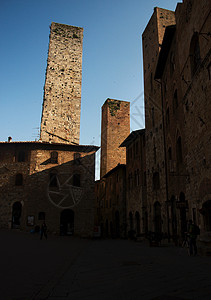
[(155, 159), (61, 111), (115, 127)]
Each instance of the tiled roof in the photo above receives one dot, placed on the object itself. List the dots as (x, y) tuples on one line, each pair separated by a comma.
[(54, 145)]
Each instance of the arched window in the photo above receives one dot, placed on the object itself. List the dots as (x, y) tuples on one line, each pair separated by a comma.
[(19, 179), (179, 150), (195, 58), (54, 157), (156, 181), (131, 220)]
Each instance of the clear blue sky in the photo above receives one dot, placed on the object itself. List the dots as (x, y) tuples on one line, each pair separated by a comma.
[(112, 59)]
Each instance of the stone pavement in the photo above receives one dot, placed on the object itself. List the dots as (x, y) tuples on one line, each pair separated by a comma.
[(73, 268)]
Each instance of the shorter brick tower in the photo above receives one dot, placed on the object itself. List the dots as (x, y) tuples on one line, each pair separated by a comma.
[(62, 92), (115, 127)]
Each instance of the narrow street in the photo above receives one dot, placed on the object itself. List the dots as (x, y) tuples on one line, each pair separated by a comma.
[(73, 268)]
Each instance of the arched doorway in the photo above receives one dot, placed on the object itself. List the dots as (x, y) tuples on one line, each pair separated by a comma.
[(67, 222), (16, 215), (131, 220), (117, 223), (137, 217), (157, 217)]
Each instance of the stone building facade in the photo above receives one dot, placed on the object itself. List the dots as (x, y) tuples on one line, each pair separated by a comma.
[(51, 182), (115, 127), (155, 156), (195, 80), (174, 136), (110, 193), (62, 92), (136, 209), (182, 75)]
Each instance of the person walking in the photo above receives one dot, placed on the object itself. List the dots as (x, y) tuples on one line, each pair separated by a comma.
[(43, 231), (193, 231)]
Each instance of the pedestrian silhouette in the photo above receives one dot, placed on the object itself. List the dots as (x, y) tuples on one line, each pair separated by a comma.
[(43, 231), (193, 232)]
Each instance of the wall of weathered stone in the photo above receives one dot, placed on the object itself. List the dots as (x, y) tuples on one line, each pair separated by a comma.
[(10, 193), (62, 92), (135, 181), (110, 193), (155, 159), (36, 195), (185, 116), (174, 129), (194, 17)]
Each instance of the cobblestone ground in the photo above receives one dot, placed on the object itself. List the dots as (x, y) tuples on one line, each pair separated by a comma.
[(71, 268)]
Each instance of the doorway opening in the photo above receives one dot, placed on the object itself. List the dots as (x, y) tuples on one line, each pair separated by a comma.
[(67, 222), (16, 215)]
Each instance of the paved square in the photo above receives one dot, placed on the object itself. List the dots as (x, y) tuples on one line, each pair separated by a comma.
[(73, 268)]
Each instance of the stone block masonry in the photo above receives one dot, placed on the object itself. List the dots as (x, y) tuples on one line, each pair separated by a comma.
[(62, 91)]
